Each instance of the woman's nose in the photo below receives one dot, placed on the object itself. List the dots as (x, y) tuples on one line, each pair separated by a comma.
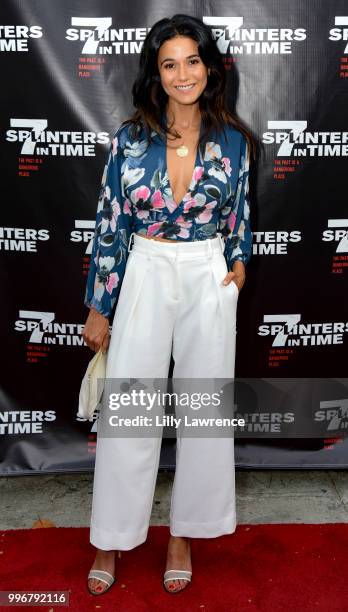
[(182, 73)]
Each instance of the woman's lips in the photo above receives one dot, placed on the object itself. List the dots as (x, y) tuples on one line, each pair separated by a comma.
[(187, 88)]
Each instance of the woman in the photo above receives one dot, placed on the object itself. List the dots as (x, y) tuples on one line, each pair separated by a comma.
[(176, 181)]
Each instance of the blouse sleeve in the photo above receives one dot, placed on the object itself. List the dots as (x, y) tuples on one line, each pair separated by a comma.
[(235, 224), (113, 229)]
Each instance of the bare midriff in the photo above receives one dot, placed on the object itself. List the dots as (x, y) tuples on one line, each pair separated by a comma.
[(160, 239)]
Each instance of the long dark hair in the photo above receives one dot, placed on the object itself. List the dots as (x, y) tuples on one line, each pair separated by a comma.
[(149, 97)]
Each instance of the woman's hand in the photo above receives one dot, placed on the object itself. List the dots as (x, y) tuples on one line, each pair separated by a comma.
[(96, 331), (236, 275)]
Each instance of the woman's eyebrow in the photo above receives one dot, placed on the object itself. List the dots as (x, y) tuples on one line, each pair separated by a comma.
[(173, 59)]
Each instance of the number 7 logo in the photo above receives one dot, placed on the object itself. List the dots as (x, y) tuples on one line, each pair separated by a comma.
[(37, 126), (101, 25), (290, 320), (296, 128), (219, 26), (342, 246), (45, 318)]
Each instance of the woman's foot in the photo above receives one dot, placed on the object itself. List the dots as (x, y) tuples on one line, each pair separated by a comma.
[(178, 557), (104, 560)]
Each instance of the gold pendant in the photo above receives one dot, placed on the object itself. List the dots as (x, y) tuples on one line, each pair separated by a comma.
[(182, 151)]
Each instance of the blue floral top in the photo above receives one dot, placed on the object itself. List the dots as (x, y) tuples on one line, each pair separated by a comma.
[(136, 196)]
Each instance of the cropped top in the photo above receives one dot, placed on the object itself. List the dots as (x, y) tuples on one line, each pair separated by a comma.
[(136, 197)]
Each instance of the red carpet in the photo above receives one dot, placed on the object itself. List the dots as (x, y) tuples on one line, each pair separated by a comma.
[(260, 567)]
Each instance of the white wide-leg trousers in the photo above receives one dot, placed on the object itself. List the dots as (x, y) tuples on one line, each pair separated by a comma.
[(172, 301)]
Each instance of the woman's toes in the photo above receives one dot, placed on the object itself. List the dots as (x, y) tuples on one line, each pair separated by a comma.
[(96, 585), (173, 585)]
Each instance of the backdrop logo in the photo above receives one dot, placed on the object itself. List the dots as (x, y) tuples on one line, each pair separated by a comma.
[(334, 413), (84, 232), (36, 140), (15, 37), (265, 422), (232, 38), (21, 238), (340, 33), (288, 331), (14, 422), (99, 38), (338, 233), (295, 141), (43, 330), (274, 243)]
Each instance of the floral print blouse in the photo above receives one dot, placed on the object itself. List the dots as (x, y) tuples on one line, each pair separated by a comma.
[(136, 197)]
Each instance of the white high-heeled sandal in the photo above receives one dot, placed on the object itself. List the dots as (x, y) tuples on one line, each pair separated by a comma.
[(173, 574), (103, 576)]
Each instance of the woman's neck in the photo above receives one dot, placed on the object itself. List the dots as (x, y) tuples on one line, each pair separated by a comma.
[(186, 117)]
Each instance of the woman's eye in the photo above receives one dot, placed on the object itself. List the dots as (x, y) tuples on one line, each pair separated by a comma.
[(193, 61)]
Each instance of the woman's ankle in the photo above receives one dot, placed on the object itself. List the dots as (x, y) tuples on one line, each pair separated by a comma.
[(105, 553)]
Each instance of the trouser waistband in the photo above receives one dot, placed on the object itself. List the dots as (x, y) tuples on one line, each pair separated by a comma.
[(197, 247)]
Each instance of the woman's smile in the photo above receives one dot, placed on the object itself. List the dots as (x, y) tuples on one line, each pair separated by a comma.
[(184, 87)]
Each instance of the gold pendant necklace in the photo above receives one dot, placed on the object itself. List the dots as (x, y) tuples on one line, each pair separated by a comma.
[(182, 151)]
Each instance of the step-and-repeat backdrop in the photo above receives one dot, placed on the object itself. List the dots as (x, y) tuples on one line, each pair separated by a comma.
[(67, 69)]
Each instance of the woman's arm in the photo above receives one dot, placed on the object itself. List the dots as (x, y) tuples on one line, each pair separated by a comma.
[(235, 222), (235, 226), (113, 228)]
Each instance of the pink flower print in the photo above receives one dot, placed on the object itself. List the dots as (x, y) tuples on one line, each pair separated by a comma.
[(171, 205), (190, 203), (184, 233), (116, 209), (112, 282), (198, 173), (126, 207), (153, 229), (227, 165), (157, 200), (141, 193), (206, 214), (114, 146), (142, 214), (185, 226), (141, 198), (198, 202), (231, 221)]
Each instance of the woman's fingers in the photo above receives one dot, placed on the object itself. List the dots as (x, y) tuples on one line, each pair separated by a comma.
[(96, 342), (228, 278), (233, 277), (96, 331)]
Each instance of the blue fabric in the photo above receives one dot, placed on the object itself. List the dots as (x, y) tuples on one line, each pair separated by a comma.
[(136, 196)]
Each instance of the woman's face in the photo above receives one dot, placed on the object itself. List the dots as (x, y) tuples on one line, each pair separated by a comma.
[(180, 65)]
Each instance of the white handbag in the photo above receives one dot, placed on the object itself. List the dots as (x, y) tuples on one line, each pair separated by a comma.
[(90, 392)]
